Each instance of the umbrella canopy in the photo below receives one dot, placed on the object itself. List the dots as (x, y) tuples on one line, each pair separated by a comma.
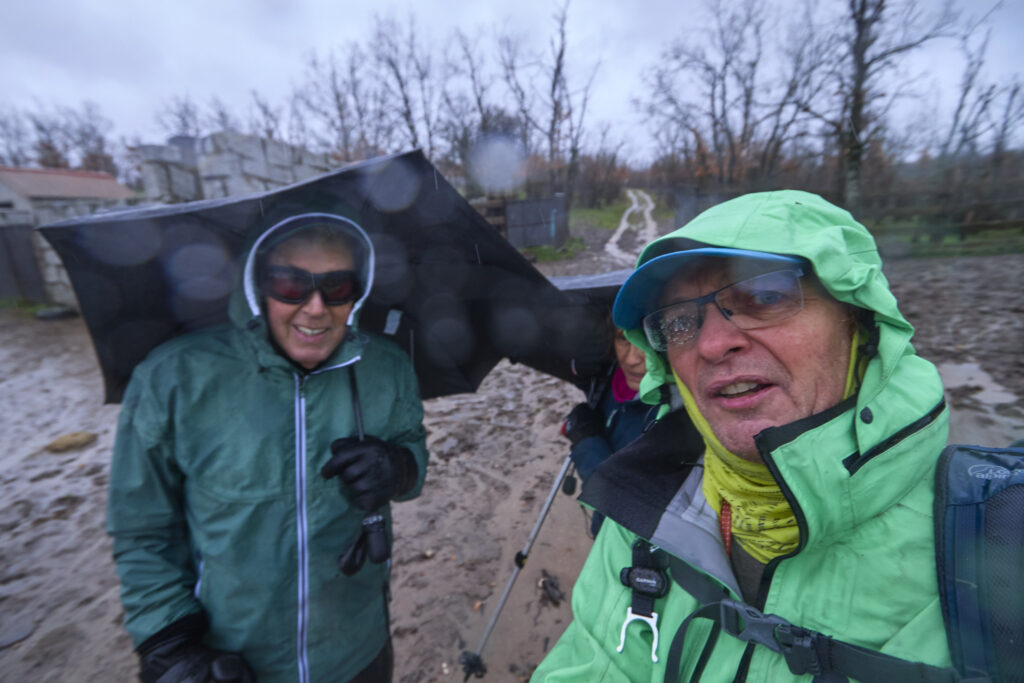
[(447, 287), (598, 289)]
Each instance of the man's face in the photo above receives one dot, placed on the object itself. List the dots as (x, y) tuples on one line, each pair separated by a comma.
[(744, 381), (310, 331)]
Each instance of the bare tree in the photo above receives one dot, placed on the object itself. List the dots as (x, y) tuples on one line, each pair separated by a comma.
[(412, 81), (51, 144), (344, 105), (179, 115), (264, 118), (14, 138), (1010, 119), (464, 99), (218, 117), (87, 130), (602, 173), (873, 37), (557, 111), (714, 102)]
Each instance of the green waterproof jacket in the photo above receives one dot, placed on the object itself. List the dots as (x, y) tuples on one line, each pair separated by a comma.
[(217, 503), (859, 478)]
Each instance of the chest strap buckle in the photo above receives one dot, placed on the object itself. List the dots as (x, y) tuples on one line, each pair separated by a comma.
[(651, 621)]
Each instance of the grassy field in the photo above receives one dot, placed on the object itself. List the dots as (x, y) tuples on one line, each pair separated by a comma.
[(546, 253), (607, 217), (900, 243)]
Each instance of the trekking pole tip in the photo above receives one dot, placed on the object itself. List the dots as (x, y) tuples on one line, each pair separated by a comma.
[(472, 664)]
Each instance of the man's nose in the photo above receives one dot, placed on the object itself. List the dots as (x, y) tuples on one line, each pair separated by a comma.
[(717, 336)]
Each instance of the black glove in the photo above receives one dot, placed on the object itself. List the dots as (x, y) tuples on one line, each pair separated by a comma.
[(176, 654), (583, 422), (373, 471)]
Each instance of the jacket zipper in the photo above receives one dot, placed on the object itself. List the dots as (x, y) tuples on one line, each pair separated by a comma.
[(857, 460), (301, 530), (301, 519)]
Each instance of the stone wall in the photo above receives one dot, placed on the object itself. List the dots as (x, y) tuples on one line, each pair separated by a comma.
[(55, 278), (169, 173), (224, 164), (44, 211)]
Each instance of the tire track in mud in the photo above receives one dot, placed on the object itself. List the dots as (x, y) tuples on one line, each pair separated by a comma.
[(641, 207)]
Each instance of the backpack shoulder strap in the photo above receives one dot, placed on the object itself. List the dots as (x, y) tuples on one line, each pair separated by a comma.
[(806, 651), (979, 545)]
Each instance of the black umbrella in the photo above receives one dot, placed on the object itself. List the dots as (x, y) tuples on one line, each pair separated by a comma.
[(447, 287)]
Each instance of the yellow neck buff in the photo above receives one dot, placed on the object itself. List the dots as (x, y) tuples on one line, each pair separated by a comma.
[(762, 521)]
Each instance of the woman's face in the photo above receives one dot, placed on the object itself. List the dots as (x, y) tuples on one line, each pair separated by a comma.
[(631, 360)]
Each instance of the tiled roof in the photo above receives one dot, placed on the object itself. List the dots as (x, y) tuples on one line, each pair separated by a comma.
[(53, 183)]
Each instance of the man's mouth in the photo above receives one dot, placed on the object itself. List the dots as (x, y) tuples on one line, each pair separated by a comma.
[(737, 389)]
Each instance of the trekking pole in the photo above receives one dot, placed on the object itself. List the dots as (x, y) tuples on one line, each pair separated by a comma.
[(471, 662)]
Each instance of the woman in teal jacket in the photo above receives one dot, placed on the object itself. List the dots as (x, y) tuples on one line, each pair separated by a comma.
[(814, 506), (226, 532)]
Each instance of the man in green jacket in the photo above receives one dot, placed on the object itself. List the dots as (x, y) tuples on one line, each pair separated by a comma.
[(805, 510), (224, 505)]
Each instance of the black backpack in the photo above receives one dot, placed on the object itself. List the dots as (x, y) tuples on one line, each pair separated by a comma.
[(979, 534), (979, 547)]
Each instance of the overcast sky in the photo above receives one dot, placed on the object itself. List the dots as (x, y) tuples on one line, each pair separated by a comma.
[(130, 57)]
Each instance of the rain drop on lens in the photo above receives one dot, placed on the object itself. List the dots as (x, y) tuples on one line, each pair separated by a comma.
[(497, 163), (393, 188), (122, 244)]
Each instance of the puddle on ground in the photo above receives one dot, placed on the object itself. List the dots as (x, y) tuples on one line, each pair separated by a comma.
[(972, 395)]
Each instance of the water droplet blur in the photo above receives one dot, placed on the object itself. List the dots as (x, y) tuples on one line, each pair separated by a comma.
[(392, 188), (201, 271), (121, 244), (515, 330), (392, 279), (98, 296), (444, 268), (497, 164), (449, 341), (205, 287)]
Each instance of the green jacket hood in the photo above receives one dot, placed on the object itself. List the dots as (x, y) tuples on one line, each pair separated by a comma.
[(246, 305), (845, 259)]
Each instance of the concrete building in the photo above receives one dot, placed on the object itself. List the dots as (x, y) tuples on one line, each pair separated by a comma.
[(225, 164), (37, 196)]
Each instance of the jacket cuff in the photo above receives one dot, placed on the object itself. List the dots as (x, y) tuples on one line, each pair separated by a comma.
[(406, 470), (191, 627)]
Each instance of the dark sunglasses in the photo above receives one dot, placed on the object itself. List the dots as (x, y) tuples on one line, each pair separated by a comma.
[(292, 285)]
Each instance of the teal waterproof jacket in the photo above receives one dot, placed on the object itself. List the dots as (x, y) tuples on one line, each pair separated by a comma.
[(217, 504), (858, 476)]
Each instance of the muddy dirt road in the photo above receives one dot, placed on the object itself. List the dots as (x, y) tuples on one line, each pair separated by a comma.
[(636, 228)]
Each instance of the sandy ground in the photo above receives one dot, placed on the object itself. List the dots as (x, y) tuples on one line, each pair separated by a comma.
[(494, 455)]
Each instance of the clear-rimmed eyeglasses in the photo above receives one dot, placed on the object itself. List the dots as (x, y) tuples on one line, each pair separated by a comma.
[(760, 301)]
